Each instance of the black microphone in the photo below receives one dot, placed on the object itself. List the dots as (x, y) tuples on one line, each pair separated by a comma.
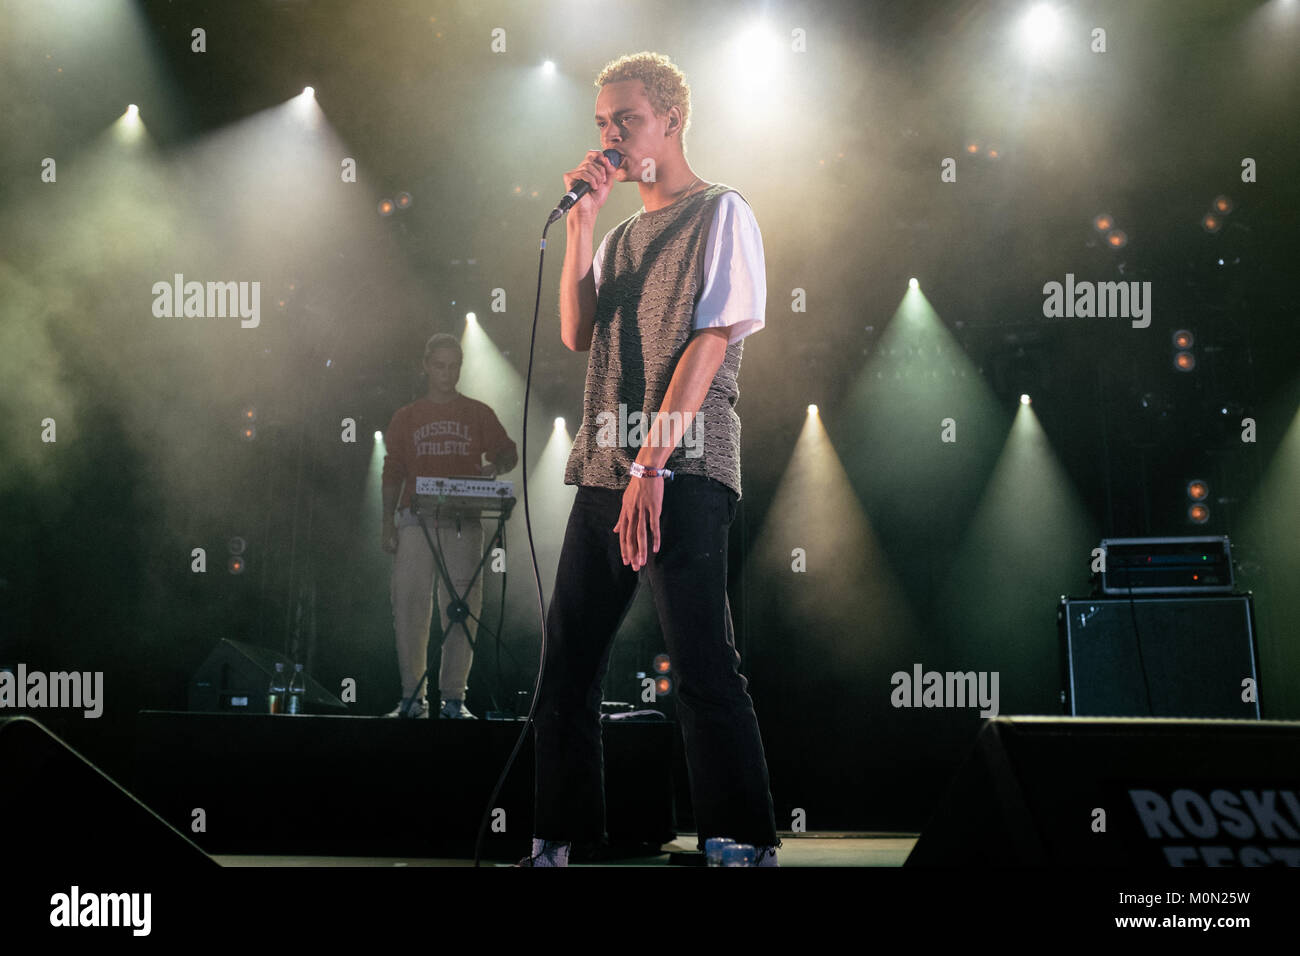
[(581, 187)]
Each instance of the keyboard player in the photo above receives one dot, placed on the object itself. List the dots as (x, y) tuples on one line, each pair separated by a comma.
[(441, 434)]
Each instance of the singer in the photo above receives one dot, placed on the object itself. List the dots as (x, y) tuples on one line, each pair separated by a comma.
[(662, 307)]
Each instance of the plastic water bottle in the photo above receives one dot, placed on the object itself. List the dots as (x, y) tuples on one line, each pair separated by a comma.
[(713, 848), (738, 854), (277, 692), (297, 690)]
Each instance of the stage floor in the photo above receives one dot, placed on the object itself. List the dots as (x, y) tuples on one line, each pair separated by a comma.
[(827, 848)]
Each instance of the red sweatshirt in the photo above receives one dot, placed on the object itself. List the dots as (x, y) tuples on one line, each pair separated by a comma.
[(439, 440)]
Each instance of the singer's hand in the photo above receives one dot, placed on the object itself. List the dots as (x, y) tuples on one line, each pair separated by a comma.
[(643, 502), (597, 171)]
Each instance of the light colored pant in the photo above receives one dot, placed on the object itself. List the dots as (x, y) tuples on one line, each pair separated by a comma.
[(413, 582)]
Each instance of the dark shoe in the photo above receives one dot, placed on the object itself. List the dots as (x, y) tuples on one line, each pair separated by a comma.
[(765, 856), (547, 853)]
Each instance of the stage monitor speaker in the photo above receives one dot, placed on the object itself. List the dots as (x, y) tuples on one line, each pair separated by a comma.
[(235, 678), (1090, 792), (59, 811), (1183, 656)]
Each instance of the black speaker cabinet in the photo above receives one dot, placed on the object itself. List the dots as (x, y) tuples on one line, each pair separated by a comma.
[(235, 679), (1079, 791), (1176, 656), (58, 810)]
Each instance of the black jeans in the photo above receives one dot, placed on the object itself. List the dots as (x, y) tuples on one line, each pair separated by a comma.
[(593, 591)]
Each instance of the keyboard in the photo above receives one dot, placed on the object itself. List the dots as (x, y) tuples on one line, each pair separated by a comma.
[(463, 496)]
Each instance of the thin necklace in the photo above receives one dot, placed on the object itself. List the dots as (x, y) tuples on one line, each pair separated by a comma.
[(681, 195), (685, 192)]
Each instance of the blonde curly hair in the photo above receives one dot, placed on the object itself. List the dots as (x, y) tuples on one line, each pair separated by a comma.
[(665, 84)]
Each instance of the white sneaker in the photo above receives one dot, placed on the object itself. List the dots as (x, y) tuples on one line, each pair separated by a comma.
[(417, 708), (455, 710)]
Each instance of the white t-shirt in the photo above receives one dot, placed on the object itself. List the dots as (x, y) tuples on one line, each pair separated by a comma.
[(735, 276)]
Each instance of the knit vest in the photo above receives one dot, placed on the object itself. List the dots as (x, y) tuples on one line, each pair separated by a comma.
[(652, 276)]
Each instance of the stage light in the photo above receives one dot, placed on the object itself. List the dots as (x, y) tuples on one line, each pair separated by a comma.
[(379, 436), (812, 410), (758, 45), (1184, 361), (1211, 223), (404, 200), (1117, 239), (756, 55), (248, 432), (250, 414), (471, 318), (305, 109), (972, 148), (1041, 19), (1039, 28), (1223, 205), (129, 127), (385, 207), (235, 564), (559, 424), (1198, 514), (1198, 490), (1183, 339), (548, 68), (993, 153), (664, 687), (1024, 399), (913, 284), (1103, 223), (662, 665)]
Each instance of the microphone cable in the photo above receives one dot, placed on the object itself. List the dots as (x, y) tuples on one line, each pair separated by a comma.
[(532, 553)]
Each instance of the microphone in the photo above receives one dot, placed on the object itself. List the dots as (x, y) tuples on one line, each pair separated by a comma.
[(581, 187)]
